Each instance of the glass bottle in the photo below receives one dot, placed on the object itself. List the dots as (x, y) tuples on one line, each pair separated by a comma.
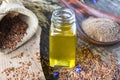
[(62, 38)]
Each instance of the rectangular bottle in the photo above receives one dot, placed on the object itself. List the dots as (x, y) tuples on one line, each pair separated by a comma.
[(62, 39)]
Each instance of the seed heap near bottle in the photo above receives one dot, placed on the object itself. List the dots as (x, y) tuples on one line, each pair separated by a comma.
[(62, 43)]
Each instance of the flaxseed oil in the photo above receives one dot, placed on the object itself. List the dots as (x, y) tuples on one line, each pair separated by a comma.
[(62, 50), (62, 44)]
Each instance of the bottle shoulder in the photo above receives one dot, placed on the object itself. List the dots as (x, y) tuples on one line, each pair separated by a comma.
[(63, 30), (62, 33)]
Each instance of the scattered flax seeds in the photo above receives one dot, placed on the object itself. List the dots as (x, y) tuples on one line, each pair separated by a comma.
[(11, 32), (93, 68), (38, 56), (18, 56), (21, 73)]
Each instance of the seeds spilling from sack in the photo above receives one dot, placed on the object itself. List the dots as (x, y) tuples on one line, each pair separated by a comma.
[(12, 30)]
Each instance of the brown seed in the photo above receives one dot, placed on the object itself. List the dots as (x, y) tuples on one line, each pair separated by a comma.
[(11, 32), (29, 63)]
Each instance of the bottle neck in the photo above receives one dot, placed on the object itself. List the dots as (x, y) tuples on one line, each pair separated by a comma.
[(63, 16), (63, 22)]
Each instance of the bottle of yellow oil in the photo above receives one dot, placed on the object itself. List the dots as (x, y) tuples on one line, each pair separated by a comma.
[(62, 38)]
